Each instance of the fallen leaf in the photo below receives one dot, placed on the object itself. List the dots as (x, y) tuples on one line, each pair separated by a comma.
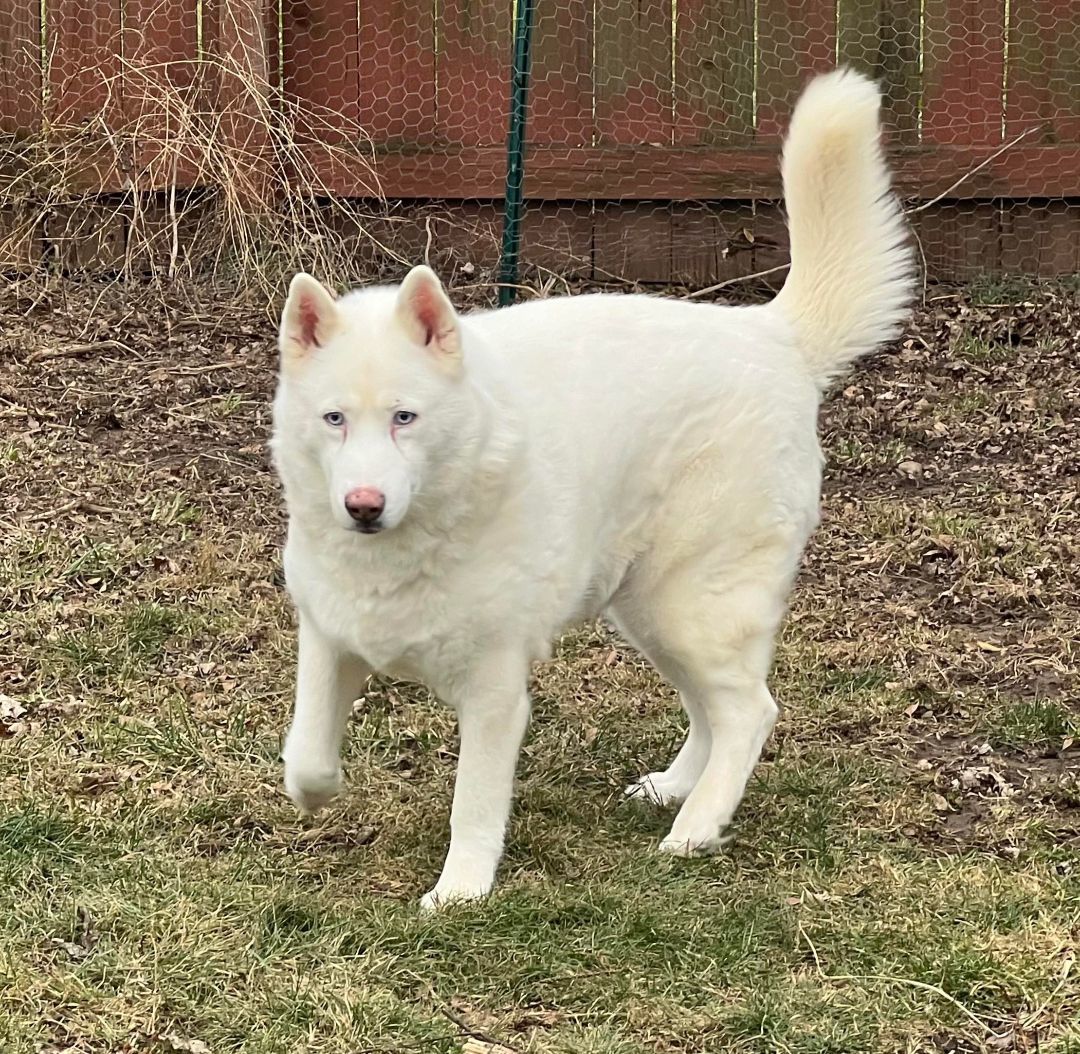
[(76, 951), (173, 1042), (480, 1046)]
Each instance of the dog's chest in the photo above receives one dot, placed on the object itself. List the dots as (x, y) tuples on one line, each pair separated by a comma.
[(419, 631)]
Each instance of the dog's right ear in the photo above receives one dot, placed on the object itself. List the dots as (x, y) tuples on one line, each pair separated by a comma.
[(309, 319)]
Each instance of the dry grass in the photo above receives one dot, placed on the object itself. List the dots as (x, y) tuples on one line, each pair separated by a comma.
[(905, 874), (257, 159)]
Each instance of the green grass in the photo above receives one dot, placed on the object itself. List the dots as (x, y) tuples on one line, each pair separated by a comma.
[(153, 880), (1033, 723), (159, 893), (973, 349)]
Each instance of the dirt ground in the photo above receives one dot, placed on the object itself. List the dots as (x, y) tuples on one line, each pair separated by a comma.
[(906, 872)]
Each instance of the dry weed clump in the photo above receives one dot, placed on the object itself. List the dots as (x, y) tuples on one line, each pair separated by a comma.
[(211, 173)]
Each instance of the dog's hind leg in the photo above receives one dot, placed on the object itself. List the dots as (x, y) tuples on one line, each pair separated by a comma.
[(675, 782), (712, 636)]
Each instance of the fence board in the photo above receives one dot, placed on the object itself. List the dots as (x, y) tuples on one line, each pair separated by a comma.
[(21, 244), (632, 75), (161, 53), (397, 71), (161, 38), (558, 237), (959, 242), (560, 95), (795, 37), (963, 72), (319, 53), (473, 103), (235, 39), (20, 66), (714, 71), (771, 242), (1042, 239), (883, 37), (83, 49), (710, 243), (633, 243), (1043, 90)]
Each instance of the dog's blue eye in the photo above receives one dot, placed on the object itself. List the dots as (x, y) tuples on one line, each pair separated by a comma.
[(404, 417), (335, 418)]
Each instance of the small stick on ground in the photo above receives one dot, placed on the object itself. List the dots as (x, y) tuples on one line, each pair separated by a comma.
[(77, 349)]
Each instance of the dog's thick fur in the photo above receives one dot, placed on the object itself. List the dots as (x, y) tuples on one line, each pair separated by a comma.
[(650, 460)]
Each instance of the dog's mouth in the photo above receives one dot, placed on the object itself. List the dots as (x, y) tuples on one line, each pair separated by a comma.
[(368, 528)]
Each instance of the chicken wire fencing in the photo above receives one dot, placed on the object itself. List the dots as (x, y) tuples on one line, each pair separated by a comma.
[(355, 137)]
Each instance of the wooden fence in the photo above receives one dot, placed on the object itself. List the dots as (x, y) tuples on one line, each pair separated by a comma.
[(653, 125)]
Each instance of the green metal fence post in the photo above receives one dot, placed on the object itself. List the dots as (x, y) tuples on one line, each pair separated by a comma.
[(515, 161)]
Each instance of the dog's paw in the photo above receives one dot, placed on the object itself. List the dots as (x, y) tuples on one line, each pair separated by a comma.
[(657, 788), (704, 843), (312, 789), (446, 894)]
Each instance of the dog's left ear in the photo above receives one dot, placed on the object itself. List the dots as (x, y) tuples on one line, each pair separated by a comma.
[(308, 320), (428, 317)]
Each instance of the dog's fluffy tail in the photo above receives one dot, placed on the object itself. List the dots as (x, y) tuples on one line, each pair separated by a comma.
[(852, 269)]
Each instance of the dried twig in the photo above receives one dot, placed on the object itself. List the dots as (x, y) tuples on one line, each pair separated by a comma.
[(922, 986), (473, 1033), (76, 504), (76, 350), (967, 175), (735, 281)]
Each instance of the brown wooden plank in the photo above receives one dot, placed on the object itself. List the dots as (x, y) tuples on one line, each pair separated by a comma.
[(795, 38), (613, 173), (633, 243), (714, 71), (1043, 81), (558, 236), (235, 39), (963, 71), (556, 174), (161, 92), (381, 242), (272, 30), (959, 242), (632, 76), (21, 243), (711, 243), (88, 237), (319, 58), (161, 41), (397, 71), (1040, 238), (162, 232), (883, 37), (84, 63), (771, 242), (560, 92), (20, 66), (466, 240), (474, 58)]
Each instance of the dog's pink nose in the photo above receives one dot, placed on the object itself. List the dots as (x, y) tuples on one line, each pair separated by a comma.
[(365, 504)]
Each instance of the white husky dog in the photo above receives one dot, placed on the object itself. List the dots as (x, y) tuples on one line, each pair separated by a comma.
[(461, 488)]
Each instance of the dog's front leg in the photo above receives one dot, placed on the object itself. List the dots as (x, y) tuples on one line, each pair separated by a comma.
[(327, 681), (493, 713)]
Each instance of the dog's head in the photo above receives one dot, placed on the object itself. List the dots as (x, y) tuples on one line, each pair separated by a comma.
[(372, 396)]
